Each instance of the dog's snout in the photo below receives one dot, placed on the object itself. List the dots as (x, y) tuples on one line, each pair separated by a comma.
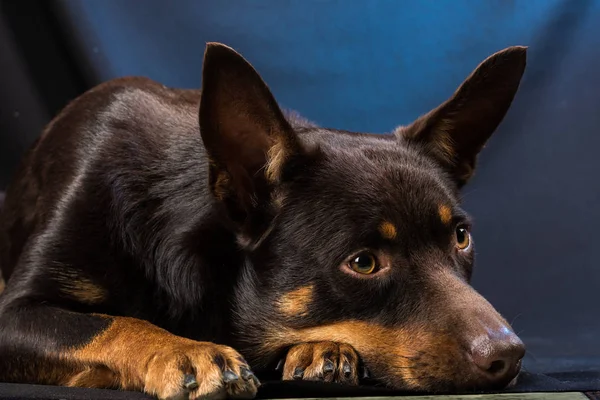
[(498, 355)]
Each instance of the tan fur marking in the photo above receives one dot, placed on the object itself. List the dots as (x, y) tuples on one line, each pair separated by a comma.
[(94, 377), (277, 197), (296, 302), (2, 285), (445, 213), (83, 290), (388, 230), (444, 141), (132, 354), (276, 158), (221, 186)]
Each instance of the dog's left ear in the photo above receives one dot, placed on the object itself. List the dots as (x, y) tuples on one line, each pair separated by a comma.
[(247, 138), (456, 131)]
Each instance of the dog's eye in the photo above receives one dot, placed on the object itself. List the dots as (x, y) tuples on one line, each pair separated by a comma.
[(463, 237), (363, 263)]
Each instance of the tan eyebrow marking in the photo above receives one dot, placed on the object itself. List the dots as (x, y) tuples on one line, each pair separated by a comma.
[(445, 214), (388, 230)]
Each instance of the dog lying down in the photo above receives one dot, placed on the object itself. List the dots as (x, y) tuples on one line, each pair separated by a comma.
[(183, 242)]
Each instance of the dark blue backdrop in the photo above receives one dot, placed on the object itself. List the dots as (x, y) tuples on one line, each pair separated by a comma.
[(373, 64)]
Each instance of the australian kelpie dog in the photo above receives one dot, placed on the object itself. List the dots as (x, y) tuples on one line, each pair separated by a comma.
[(173, 241)]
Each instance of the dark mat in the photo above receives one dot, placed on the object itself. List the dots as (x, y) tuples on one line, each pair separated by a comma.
[(557, 382)]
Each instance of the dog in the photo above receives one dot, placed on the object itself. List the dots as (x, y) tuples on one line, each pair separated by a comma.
[(182, 242)]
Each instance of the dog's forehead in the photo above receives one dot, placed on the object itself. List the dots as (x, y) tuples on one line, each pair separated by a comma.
[(381, 163), (375, 178)]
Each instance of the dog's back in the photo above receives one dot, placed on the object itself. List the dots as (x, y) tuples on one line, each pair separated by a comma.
[(115, 123)]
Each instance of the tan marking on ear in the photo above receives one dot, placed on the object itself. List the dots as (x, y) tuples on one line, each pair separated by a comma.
[(296, 302), (221, 185), (276, 157), (444, 142), (278, 197), (388, 230), (2, 285), (445, 214), (83, 289)]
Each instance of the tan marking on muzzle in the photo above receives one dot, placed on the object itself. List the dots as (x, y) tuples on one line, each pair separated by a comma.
[(393, 347), (412, 356)]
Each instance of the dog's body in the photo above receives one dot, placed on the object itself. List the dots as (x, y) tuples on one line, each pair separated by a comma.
[(251, 230)]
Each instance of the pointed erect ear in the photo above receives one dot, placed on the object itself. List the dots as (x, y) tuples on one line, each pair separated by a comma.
[(246, 136), (455, 132)]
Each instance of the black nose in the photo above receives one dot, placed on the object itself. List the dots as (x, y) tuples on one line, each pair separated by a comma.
[(498, 356)]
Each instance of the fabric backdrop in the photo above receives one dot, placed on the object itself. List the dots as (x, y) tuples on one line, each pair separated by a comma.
[(370, 65)]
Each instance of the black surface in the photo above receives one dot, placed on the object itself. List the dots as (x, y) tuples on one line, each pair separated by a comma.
[(528, 383)]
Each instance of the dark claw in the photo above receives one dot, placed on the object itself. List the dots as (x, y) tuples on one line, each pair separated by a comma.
[(347, 370), (229, 376), (246, 373), (328, 367), (280, 365), (365, 373), (298, 373), (190, 382)]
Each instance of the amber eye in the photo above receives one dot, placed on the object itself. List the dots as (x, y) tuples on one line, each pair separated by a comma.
[(463, 237), (363, 263)]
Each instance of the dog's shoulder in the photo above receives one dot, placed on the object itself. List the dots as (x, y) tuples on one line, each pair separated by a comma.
[(138, 103), (129, 118)]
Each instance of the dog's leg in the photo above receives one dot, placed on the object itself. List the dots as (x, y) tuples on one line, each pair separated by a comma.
[(43, 344), (322, 361)]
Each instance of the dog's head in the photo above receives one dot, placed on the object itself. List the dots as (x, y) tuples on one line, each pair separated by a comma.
[(360, 238)]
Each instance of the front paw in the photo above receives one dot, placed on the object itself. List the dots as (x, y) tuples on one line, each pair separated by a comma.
[(199, 370), (322, 361)]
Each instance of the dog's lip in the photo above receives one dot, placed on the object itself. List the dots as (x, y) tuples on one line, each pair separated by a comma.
[(514, 380), (513, 383)]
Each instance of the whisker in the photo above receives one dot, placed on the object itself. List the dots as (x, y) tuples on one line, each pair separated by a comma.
[(516, 318), (532, 355)]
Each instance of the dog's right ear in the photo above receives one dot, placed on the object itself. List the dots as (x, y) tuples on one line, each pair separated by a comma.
[(455, 132), (246, 135)]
